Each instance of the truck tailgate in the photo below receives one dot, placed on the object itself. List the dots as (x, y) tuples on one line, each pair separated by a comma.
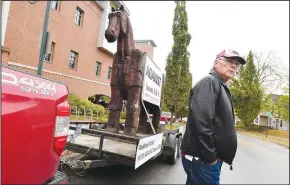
[(29, 112)]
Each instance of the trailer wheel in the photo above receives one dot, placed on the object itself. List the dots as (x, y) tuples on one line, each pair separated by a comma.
[(172, 159)]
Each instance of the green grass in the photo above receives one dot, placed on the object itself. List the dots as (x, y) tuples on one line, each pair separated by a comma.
[(262, 131), (175, 125)]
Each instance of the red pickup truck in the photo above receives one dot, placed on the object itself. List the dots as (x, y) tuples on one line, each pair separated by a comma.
[(35, 120)]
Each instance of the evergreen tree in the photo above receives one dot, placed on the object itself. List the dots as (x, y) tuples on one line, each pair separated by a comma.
[(247, 92), (178, 78)]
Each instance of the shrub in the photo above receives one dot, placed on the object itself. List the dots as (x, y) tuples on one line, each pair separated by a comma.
[(106, 119), (106, 113), (74, 100), (255, 128), (98, 110), (240, 126), (123, 115)]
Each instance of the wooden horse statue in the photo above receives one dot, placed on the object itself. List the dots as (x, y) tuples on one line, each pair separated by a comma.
[(127, 73)]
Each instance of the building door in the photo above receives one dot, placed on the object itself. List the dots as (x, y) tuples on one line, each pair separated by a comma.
[(277, 124), (263, 121)]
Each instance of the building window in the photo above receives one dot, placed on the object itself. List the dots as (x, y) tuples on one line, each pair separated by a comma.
[(49, 57), (98, 69), (109, 72), (55, 5), (79, 16), (73, 60)]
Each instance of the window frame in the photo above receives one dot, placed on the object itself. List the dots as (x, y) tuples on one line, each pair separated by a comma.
[(49, 58), (79, 16), (57, 3), (99, 68), (109, 72), (76, 59)]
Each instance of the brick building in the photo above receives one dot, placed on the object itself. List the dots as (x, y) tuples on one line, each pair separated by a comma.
[(146, 46), (80, 55)]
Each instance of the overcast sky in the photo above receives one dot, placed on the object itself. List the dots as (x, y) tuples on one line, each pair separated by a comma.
[(260, 26)]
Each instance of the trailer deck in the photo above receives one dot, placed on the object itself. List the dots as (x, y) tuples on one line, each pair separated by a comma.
[(112, 143), (105, 148), (109, 145)]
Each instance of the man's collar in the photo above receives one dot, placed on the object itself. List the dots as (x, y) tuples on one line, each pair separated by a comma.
[(214, 73)]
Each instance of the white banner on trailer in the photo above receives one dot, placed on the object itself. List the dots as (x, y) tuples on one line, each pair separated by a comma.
[(148, 147), (152, 83)]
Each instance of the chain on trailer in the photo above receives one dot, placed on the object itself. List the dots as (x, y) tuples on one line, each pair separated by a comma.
[(74, 164)]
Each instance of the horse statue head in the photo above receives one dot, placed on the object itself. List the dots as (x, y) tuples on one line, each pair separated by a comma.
[(120, 28)]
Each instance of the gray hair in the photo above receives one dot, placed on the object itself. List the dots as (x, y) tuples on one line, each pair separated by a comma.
[(218, 60)]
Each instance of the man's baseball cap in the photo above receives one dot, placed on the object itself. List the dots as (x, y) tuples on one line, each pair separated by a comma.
[(229, 53)]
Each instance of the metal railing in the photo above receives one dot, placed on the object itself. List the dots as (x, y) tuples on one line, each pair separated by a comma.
[(84, 113)]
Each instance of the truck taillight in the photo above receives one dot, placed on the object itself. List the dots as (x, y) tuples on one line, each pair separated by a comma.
[(62, 122)]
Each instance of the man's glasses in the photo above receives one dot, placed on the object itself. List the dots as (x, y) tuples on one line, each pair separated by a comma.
[(231, 62)]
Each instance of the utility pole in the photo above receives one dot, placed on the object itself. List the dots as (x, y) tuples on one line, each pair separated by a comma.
[(43, 39)]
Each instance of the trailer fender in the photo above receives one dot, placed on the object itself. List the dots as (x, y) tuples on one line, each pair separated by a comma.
[(171, 138)]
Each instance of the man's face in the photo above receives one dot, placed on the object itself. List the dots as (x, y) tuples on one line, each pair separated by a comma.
[(227, 67)]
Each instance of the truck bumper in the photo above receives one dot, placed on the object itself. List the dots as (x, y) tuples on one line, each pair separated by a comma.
[(59, 178)]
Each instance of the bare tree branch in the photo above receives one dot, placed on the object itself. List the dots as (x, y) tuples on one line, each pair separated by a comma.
[(270, 73)]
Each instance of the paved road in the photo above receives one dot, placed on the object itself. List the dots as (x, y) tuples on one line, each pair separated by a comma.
[(256, 162)]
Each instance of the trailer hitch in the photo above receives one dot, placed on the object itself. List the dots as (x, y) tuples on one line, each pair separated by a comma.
[(75, 134)]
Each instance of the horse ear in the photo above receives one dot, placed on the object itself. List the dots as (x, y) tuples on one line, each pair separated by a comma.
[(122, 7), (113, 9)]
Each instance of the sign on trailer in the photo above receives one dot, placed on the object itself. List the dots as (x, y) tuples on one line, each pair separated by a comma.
[(148, 147), (152, 83)]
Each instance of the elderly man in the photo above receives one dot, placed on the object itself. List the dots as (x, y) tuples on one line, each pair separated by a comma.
[(210, 137)]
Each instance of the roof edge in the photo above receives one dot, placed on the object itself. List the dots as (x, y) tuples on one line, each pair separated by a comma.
[(146, 41)]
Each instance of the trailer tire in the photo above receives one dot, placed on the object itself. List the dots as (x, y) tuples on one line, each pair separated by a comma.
[(172, 159)]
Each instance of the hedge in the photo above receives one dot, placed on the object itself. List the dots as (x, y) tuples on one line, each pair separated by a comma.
[(75, 101), (122, 115), (255, 128)]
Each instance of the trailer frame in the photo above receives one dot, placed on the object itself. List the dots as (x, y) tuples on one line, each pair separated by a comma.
[(97, 157)]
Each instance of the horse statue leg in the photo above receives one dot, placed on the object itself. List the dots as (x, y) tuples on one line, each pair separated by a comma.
[(133, 107), (115, 107), (134, 83), (116, 103)]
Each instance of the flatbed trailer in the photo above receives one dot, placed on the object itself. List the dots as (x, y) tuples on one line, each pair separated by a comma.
[(97, 148)]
